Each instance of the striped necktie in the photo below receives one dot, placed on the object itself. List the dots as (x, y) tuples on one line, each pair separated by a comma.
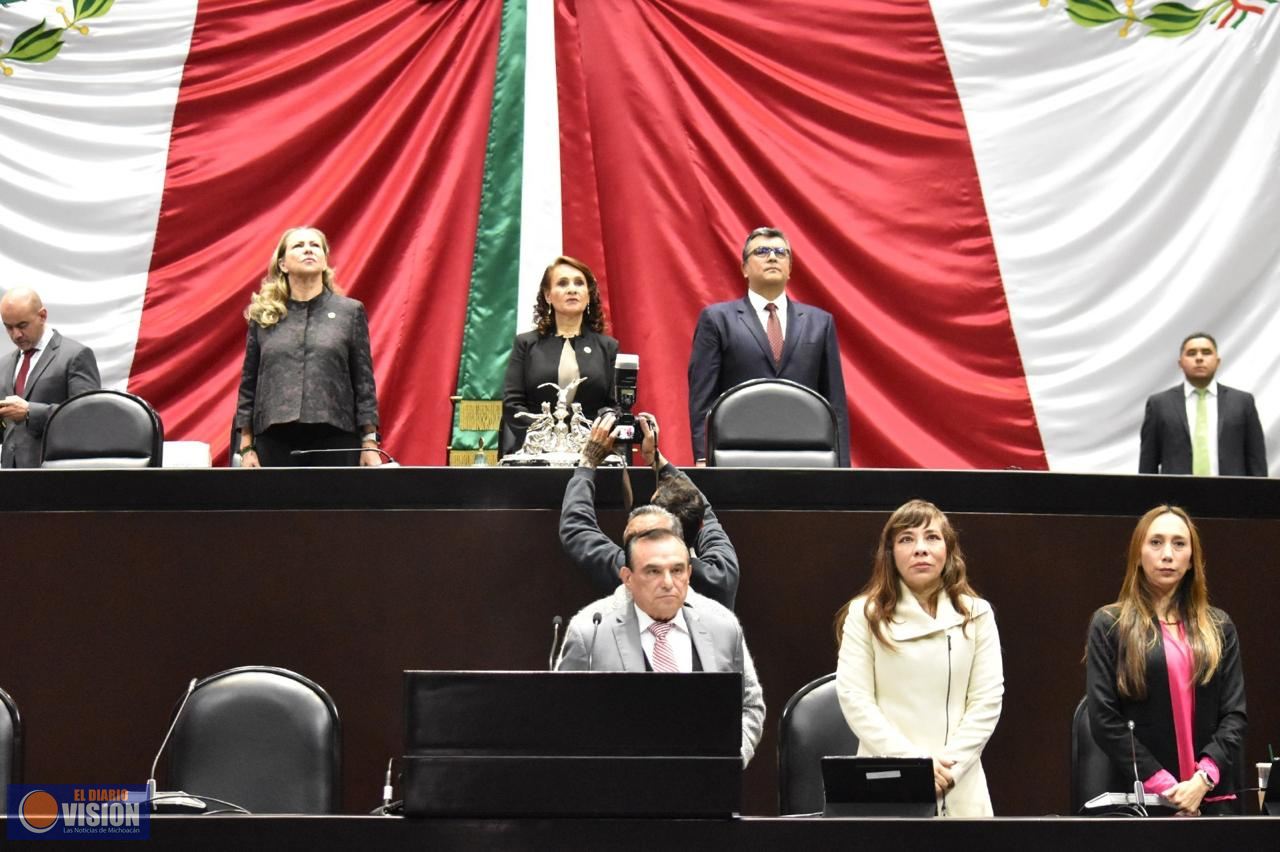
[(663, 660)]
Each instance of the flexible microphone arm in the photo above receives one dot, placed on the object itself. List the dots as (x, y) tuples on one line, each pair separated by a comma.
[(595, 619), (386, 456), (151, 780), (555, 634), (1139, 794)]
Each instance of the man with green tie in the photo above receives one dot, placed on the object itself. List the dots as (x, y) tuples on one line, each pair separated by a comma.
[(1202, 427)]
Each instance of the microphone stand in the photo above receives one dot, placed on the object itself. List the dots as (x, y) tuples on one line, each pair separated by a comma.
[(387, 460), (1139, 794), (555, 634), (595, 619), (179, 798)]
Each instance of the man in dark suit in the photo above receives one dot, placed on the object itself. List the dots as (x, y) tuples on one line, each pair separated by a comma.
[(46, 370), (652, 624), (764, 335), (1200, 426), (714, 559)]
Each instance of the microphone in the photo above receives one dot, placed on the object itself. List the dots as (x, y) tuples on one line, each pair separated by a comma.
[(387, 460), (555, 634), (386, 790), (178, 798), (1139, 794), (595, 619)]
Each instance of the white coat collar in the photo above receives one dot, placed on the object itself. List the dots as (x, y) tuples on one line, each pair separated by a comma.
[(910, 621)]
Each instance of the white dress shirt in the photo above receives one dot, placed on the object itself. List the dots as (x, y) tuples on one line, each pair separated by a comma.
[(758, 303), (678, 639), (1211, 407)]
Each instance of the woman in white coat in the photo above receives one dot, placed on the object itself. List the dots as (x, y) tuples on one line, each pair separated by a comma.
[(919, 671)]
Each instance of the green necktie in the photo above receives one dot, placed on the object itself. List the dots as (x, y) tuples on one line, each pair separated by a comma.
[(1200, 444)]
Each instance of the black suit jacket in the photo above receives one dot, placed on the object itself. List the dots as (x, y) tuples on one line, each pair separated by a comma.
[(535, 359), (64, 369), (1218, 726), (730, 347), (1166, 436)]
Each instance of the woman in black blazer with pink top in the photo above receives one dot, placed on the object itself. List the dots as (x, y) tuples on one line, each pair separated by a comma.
[(1162, 658), (568, 343)]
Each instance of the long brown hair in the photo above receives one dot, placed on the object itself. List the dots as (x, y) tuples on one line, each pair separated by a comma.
[(1136, 613), (544, 317), (881, 590)]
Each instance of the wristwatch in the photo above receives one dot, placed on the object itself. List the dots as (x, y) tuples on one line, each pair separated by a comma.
[(1204, 776), (376, 437)]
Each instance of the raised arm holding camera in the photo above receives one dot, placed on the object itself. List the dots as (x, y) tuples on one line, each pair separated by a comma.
[(715, 562)]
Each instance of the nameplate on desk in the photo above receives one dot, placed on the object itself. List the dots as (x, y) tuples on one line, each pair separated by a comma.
[(1116, 800)]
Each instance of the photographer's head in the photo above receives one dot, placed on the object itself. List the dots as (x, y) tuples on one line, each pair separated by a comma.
[(683, 500)]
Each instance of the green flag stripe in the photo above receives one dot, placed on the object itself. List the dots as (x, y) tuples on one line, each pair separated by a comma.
[(491, 301)]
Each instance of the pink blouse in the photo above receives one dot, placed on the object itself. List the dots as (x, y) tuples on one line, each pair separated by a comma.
[(1182, 697)]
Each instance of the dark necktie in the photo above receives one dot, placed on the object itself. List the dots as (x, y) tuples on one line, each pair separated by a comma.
[(20, 384), (774, 329)]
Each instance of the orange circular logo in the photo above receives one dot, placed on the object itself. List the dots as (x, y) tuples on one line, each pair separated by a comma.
[(38, 811)]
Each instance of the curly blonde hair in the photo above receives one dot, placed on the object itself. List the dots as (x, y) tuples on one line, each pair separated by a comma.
[(269, 305)]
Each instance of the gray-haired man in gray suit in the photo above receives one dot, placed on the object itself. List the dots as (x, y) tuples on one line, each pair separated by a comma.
[(653, 624)]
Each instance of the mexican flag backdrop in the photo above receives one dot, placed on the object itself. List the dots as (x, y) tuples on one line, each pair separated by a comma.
[(1015, 209)]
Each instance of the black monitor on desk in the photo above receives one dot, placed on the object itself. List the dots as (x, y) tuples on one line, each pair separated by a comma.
[(878, 786), (520, 744)]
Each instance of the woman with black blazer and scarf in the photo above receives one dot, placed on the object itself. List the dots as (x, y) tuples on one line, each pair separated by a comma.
[(567, 344), (1162, 658)]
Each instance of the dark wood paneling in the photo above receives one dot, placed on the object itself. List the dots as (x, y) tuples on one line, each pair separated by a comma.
[(108, 614)]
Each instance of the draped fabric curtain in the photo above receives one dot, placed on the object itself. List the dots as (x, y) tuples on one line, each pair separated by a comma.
[(366, 120), (1014, 217), (839, 124)]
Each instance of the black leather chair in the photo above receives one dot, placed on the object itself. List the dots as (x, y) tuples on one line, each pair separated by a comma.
[(10, 745), (772, 423), (1090, 766), (103, 428), (812, 727), (264, 738), (1091, 769)]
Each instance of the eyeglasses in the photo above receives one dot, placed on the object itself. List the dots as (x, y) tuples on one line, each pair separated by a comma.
[(765, 251)]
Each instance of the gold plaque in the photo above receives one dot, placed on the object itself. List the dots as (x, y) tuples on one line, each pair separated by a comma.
[(467, 458), (480, 414)]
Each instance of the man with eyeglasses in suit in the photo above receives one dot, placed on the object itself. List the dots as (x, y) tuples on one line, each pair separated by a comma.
[(764, 335)]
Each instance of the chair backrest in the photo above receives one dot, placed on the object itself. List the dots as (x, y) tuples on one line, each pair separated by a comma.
[(812, 726), (1090, 766), (772, 423), (264, 738), (103, 428), (10, 744)]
